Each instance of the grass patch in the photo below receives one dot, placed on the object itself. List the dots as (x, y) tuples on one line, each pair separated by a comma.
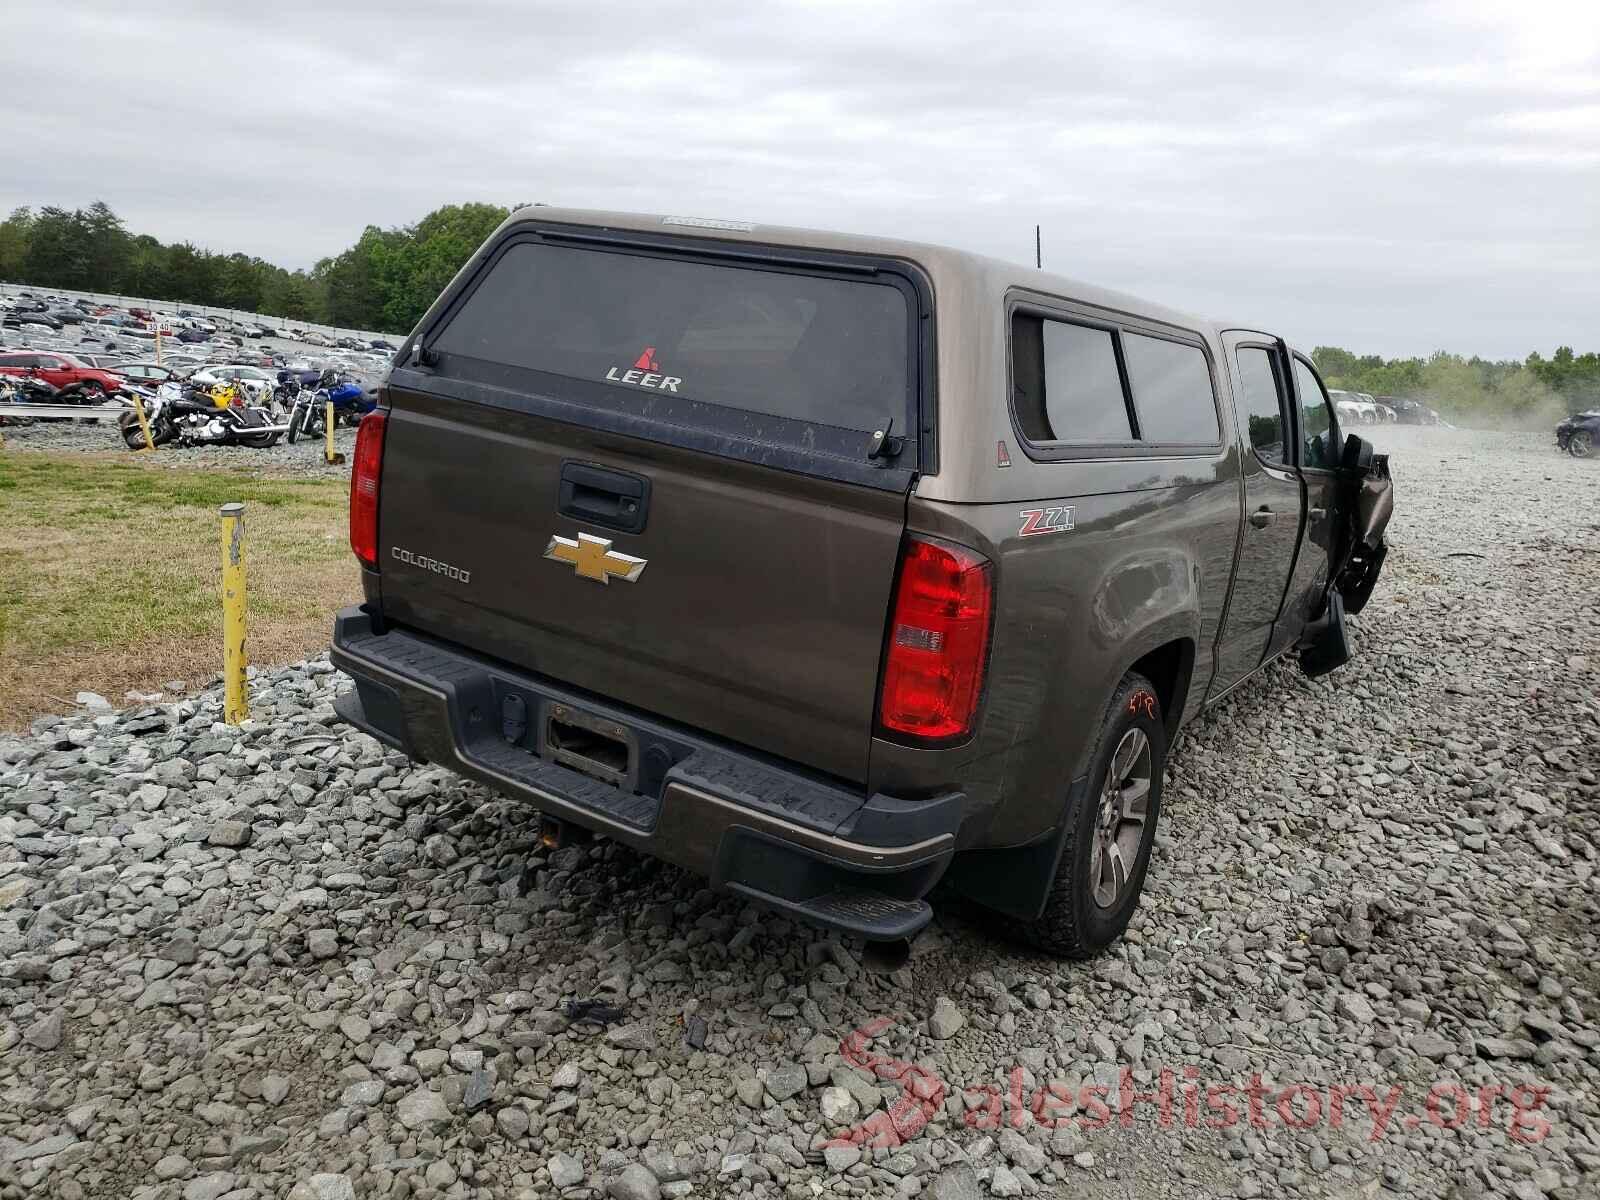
[(110, 574)]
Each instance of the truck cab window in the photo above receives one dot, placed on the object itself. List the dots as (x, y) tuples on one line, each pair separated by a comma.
[(1262, 404), (1319, 428)]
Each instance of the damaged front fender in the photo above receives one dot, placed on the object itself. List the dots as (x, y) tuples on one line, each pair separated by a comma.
[(1367, 497)]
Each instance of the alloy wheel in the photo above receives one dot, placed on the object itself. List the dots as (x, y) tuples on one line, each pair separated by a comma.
[(1119, 823)]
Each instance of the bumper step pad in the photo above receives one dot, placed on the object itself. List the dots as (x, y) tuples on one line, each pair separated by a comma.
[(872, 915)]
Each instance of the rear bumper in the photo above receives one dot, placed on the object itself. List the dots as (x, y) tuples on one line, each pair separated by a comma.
[(753, 826)]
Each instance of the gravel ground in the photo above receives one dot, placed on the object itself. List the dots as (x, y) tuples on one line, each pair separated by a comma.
[(282, 960), (302, 458)]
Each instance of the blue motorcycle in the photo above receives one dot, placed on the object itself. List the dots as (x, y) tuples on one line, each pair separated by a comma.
[(350, 402)]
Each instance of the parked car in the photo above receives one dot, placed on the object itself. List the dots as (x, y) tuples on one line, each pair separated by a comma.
[(68, 314), (377, 344), (254, 380), (1579, 434), (688, 548), (149, 374), (18, 317), (1357, 408), (1411, 412), (61, 371), (192, 334)]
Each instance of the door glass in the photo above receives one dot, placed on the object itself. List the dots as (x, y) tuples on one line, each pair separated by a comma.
[(1263, 411), (1319, 428)]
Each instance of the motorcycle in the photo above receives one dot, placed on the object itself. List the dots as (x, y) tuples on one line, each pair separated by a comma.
[(26, 389), (350, 402), (201, 417)]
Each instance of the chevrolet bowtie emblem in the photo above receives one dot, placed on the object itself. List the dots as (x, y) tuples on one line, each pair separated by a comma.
[(593, 558)]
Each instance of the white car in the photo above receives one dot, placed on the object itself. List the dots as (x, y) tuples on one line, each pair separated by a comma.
[(253, 380), (1354, 408)]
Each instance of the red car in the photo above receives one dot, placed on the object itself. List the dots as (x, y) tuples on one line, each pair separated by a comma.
[(61, 370)]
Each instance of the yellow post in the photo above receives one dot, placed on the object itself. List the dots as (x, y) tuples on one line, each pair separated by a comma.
[(157, 322), (235, 665), (329, 454), (144, 424)]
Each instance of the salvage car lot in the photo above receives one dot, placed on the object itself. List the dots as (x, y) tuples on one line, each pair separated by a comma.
[(90, 361), (232, 958)]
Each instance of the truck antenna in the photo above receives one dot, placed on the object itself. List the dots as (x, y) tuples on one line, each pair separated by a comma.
[(1038, 256)]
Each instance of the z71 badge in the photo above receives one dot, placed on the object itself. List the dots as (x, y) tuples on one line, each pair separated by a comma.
[(1045, 520)]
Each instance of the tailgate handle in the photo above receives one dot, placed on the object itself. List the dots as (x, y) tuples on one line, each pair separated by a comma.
[(600, 496)]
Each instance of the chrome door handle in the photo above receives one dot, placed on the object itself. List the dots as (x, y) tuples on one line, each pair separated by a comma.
[(1262, 517), (1316, 514)]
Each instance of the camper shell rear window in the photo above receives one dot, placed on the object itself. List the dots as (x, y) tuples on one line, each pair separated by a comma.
[(792, 363)]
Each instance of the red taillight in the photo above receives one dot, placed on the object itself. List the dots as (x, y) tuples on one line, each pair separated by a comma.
[(938, 641), (364, 488)]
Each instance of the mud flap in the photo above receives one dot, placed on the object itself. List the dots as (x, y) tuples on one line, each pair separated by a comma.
[(1326, 644)]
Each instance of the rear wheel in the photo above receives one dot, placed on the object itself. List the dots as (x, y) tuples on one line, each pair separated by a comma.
[(1580, 444), (1110, 832)]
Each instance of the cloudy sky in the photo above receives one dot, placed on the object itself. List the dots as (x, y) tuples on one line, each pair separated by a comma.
[(1392, 177)]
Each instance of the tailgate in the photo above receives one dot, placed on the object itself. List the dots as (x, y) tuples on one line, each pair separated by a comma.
[(648, 477)]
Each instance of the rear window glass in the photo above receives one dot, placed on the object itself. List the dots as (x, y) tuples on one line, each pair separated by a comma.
[(1068, 386), (678, 336), (1171, 384)]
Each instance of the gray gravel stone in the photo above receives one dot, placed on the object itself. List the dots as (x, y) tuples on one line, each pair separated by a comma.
[(1387, 876), (423, 1109), (634, 1182), (787, 1081), (946, 1020), (566, 1170)]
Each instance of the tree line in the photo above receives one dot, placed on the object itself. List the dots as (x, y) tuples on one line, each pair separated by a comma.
[(390, 277), (384, 282), (1473, 390)]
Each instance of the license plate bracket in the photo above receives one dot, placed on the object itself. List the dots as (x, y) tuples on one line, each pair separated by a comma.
[(591, 745)]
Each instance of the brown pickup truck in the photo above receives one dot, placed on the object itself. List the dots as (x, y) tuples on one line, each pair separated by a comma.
[(833, 567)]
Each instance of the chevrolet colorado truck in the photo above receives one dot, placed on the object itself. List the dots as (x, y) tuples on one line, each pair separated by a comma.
[(832, 567)]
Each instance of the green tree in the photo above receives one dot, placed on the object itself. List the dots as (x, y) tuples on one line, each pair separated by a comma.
[(107, 247), (58, 250), (15, 234), (417, 267)]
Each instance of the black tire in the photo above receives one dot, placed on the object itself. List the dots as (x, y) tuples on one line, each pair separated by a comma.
[(161, 431), (1580, 444), (1074, 923), (295, 420)]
